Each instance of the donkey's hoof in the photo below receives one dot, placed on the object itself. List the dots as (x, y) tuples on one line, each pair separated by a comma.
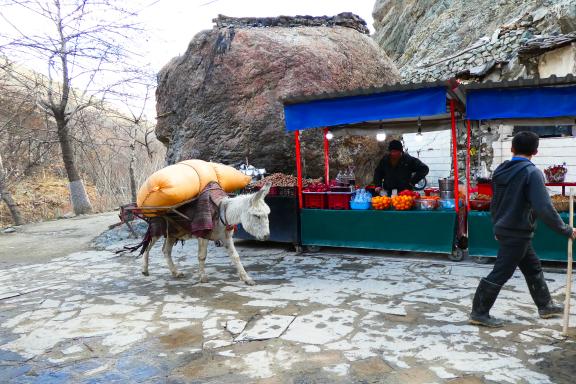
[(249, 282), (204, 279), (145, 273), (178, 275)]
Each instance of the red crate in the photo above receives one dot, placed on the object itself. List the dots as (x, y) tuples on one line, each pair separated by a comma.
[(339, 200), (273, 191), (314, 200), (288, 191), (485, 189)]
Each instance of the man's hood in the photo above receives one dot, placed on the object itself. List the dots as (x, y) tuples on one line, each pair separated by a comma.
[(508, 170)]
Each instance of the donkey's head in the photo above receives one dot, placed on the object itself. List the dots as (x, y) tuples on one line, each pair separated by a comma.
[(254, 219)]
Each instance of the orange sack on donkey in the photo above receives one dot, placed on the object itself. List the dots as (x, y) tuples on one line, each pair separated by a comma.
[(183, 181)]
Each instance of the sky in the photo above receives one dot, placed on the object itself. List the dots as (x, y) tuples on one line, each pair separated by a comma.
[(177, 21), (171, 24)]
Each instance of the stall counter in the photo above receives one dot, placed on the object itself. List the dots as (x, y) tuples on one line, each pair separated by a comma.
[(548, 244), (414, 231)]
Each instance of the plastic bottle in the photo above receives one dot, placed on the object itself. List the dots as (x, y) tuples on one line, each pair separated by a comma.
[(352, 180), (345, 178)]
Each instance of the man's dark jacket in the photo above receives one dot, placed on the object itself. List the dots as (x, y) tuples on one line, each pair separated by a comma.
[(520, 197), (405, 175)]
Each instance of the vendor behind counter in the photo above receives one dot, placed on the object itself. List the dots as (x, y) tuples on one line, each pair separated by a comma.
[(399, 170)]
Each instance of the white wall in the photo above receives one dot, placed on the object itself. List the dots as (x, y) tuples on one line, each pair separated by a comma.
[(552, 151), (559, 62), (435, 152)]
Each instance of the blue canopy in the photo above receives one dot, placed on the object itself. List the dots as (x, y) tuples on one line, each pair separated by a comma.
[(357, 109), (510, 103)]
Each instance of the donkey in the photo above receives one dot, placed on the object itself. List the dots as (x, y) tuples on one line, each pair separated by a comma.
[(249, 210)]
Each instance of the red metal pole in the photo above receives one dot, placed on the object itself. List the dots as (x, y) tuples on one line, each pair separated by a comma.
[(468, 186), (298, 167), (455, 155), (326, 158)]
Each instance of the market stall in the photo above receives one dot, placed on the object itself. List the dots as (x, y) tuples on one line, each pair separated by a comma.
[(549, 101), (284, 218), (335, 216)]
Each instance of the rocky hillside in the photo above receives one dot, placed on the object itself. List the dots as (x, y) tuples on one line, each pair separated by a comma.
[(221, 100), (419, 33)]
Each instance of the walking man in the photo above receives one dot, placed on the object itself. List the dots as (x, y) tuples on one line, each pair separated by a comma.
[(520, 196)]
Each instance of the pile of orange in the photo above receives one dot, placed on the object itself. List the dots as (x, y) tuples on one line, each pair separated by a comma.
[(381, 202), (402, 203)]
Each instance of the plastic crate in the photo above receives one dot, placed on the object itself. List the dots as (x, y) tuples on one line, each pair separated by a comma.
[(339, 189), (339, 200), (485, 189), (287, 191), (314, 200)]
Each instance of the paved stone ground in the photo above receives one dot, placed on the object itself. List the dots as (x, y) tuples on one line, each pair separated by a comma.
[(50, 239), (91, 317)]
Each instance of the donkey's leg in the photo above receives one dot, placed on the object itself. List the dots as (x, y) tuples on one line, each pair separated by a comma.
[(202, 252), (168, 244), (146, 255), (235, 257)]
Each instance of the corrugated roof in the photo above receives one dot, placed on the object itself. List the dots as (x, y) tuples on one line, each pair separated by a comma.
[(295, 99), (539, 45), (522, 83)]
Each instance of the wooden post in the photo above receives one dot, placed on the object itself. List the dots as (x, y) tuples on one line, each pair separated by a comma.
[(569, 270)]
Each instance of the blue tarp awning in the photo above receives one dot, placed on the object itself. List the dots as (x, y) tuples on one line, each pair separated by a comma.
[(361, 108), (510, 103)]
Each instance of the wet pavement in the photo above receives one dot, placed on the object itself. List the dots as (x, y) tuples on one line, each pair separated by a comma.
[(91, 317)]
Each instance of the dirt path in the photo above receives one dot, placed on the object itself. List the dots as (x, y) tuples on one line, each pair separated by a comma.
[(41, 242)]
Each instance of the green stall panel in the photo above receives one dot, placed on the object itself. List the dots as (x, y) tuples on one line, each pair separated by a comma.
[(481, 240), (548, 244), (416, 231)]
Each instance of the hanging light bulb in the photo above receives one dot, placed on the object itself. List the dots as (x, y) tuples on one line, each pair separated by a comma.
[(419, 136), (329, 135), (381, 136)]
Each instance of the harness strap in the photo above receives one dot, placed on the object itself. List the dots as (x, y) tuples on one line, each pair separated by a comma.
[(222, 216)]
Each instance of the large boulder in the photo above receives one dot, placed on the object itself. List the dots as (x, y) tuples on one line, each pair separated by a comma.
[(221, 100)]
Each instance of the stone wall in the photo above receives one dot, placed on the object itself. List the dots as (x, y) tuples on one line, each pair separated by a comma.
[(345, 19), (477, 59), (418, 33)]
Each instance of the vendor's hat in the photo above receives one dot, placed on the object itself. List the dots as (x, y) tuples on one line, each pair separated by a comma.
[(395, 145)]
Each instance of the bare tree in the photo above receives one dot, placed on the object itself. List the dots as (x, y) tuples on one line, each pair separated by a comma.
[(6, 196), (23, 142), (136, 132), (86, 62)]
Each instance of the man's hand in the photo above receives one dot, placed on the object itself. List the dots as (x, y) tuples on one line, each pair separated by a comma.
[(573, 237)]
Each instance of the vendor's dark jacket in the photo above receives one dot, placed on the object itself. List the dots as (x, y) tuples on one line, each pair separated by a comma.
[(520, 197), (405, 175)]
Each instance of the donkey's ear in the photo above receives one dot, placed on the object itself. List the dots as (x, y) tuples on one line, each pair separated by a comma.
[(266, 188), (261, 194)]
